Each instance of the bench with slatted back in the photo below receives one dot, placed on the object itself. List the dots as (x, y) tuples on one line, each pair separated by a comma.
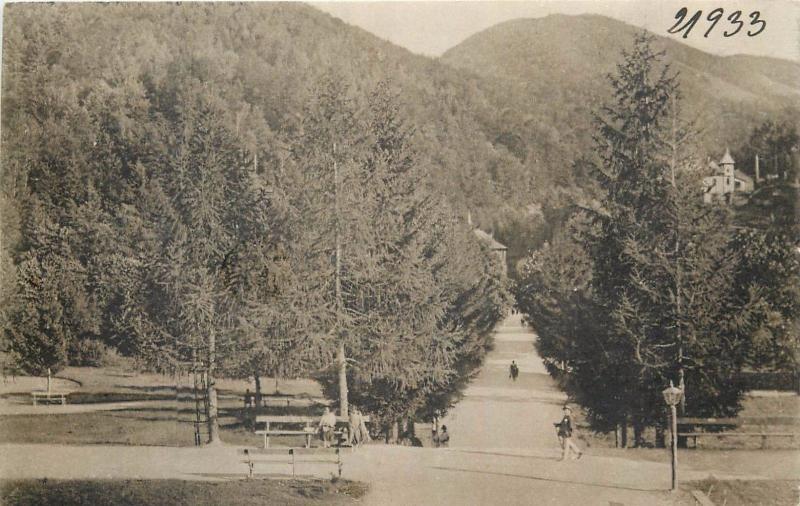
[(291, 456), (720, 427), (288, 425), (51, 396)]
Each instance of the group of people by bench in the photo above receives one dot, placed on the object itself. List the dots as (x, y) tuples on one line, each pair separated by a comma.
[(329, 428), (354, 434)]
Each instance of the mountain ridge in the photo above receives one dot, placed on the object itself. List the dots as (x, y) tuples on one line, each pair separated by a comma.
[(538, 62), (498, 119)]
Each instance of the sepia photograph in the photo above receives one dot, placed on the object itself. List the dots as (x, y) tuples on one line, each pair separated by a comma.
[(467, 253)]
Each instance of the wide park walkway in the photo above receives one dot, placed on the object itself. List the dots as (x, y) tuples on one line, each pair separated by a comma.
[(503, 451), (504, 448)]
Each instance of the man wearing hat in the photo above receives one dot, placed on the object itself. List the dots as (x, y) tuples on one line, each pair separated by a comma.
[(565, 434)]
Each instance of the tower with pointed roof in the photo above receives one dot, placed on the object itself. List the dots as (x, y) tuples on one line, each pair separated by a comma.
[(728, 172)]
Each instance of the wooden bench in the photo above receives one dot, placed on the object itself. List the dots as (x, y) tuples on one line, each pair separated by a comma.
[(688, 428), (291, 456), (44, 395), (302, 426)]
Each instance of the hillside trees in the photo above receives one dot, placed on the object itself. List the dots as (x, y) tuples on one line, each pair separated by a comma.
[(202, 239), (52, 219), (170, 199), (448, 291), (770, 277), (775, 144), (662, 269), (376, 247)]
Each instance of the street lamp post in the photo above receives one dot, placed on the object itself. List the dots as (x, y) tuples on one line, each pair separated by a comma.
[(672, 396)]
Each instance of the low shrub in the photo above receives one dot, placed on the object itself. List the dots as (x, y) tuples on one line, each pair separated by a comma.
[(92, 353)]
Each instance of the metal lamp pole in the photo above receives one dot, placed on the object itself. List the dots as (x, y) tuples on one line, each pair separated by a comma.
[(672, 396)]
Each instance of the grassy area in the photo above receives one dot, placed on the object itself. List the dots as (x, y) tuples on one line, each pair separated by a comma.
[(783, 406), (167, 420), (118, 380), (749, 492), (81, 397), (177, 492), (158, 424)]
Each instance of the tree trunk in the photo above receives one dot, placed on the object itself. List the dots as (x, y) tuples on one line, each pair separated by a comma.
[(623, 433), (638, 434), (341, 358), (211, 391), (343, 402), (257, 377), (660, 434), (395, 433)]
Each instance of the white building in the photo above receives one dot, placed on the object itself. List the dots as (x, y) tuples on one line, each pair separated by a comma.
[(726, 181)]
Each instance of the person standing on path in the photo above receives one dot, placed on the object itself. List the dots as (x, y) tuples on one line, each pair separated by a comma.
[(443, 440), (565, 434), (513, 370), (357, 433)]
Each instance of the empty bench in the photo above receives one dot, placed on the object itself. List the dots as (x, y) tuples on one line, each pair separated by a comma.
[(721, 427), (291, 456), (45, 396)]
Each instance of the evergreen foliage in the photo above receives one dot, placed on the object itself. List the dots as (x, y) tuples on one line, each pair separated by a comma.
[(170, 200), (650, 289)]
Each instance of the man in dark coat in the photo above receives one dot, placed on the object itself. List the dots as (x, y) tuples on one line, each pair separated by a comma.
[(564, 428)]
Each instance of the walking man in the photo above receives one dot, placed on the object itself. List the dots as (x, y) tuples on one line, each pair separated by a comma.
[(564, 428), (513, 370)]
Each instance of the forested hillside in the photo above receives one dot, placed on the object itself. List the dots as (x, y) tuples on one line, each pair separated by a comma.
[(261, 59), (553, 70), (498, 121), (256, 189), (547, 76)]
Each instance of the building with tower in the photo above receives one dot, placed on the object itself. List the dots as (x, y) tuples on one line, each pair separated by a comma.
[(726, 180)]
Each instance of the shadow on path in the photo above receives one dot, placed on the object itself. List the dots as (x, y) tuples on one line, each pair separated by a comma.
[(539, 478), (517, 455)]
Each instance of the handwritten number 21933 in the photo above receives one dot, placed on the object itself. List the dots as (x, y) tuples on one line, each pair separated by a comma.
[(686, 25)]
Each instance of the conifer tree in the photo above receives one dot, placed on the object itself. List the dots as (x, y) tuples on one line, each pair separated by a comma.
[(662, 301)]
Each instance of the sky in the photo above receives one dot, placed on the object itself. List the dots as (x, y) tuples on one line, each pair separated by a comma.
[(432, 27)]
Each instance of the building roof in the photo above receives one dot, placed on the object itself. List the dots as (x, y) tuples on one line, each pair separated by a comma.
[(490, 241), (727, 159), (741, 175)]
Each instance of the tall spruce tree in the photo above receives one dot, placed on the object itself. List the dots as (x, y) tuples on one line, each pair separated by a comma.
[(664, 262), (662, 270)]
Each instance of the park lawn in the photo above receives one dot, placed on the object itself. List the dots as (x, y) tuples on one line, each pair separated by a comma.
[(178, 492), (158, 424), (752, 406), (114, 383), (749, 492), (166, 420), (118, 379)]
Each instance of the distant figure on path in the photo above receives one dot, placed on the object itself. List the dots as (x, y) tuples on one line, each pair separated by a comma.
[(444, 438), (565, 435), (513, 370), (326, 425)]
